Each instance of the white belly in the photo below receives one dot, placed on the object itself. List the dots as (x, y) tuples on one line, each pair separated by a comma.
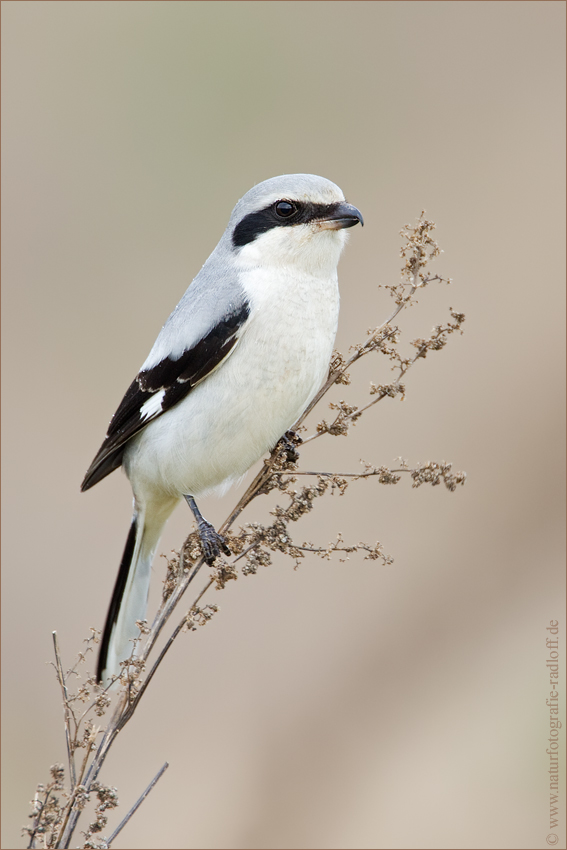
[(238, 413)]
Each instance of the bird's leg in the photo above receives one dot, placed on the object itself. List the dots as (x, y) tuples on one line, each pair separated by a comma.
[(288, 443), (212, 543)]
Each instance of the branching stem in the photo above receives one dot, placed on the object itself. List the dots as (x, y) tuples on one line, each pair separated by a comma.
[(253, 543)]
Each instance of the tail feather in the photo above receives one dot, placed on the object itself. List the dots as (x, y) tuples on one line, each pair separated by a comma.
[(130, 595), (116, 601)]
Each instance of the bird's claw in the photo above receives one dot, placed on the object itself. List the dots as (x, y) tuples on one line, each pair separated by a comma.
[(212, 543), (288, 443)]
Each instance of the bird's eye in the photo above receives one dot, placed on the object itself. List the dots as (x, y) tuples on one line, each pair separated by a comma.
[(285, 209)]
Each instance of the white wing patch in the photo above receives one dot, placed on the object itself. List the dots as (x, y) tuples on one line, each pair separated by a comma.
[(152, 406)]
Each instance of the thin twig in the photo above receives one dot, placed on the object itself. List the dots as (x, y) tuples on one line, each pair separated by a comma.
[(66, 713), (137, 804), (93, 771), (364, 349), (347, 549), (261, 479), (348, 475), (166, 608), (37, 819), (122, 715), (379, 396), (127, 714)]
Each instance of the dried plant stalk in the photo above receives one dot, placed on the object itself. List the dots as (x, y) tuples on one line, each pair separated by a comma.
[(57, 807)]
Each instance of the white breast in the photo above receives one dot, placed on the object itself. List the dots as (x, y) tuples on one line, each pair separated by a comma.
[(238, 413)]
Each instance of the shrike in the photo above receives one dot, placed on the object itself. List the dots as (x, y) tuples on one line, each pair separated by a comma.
[(234, 366)]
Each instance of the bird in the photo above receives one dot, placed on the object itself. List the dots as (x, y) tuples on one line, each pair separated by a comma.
[(233, 368)]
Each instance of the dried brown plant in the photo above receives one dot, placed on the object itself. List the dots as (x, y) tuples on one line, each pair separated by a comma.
[(57, 806)]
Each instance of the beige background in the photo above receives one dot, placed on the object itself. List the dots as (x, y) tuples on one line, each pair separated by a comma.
[(341, 705)]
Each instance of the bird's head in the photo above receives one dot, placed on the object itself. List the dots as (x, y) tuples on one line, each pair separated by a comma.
[(292, 220)]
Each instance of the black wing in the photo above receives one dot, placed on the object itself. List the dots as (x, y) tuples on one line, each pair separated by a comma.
[(159, 388)]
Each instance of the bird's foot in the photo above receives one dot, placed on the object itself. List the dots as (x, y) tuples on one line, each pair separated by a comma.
[(288, 443), (212, 543)]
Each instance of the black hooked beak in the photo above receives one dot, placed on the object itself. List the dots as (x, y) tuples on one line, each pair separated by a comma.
[(344, 215)]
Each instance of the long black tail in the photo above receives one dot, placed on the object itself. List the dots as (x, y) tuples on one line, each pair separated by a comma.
[(116, 602), (130, 596)]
